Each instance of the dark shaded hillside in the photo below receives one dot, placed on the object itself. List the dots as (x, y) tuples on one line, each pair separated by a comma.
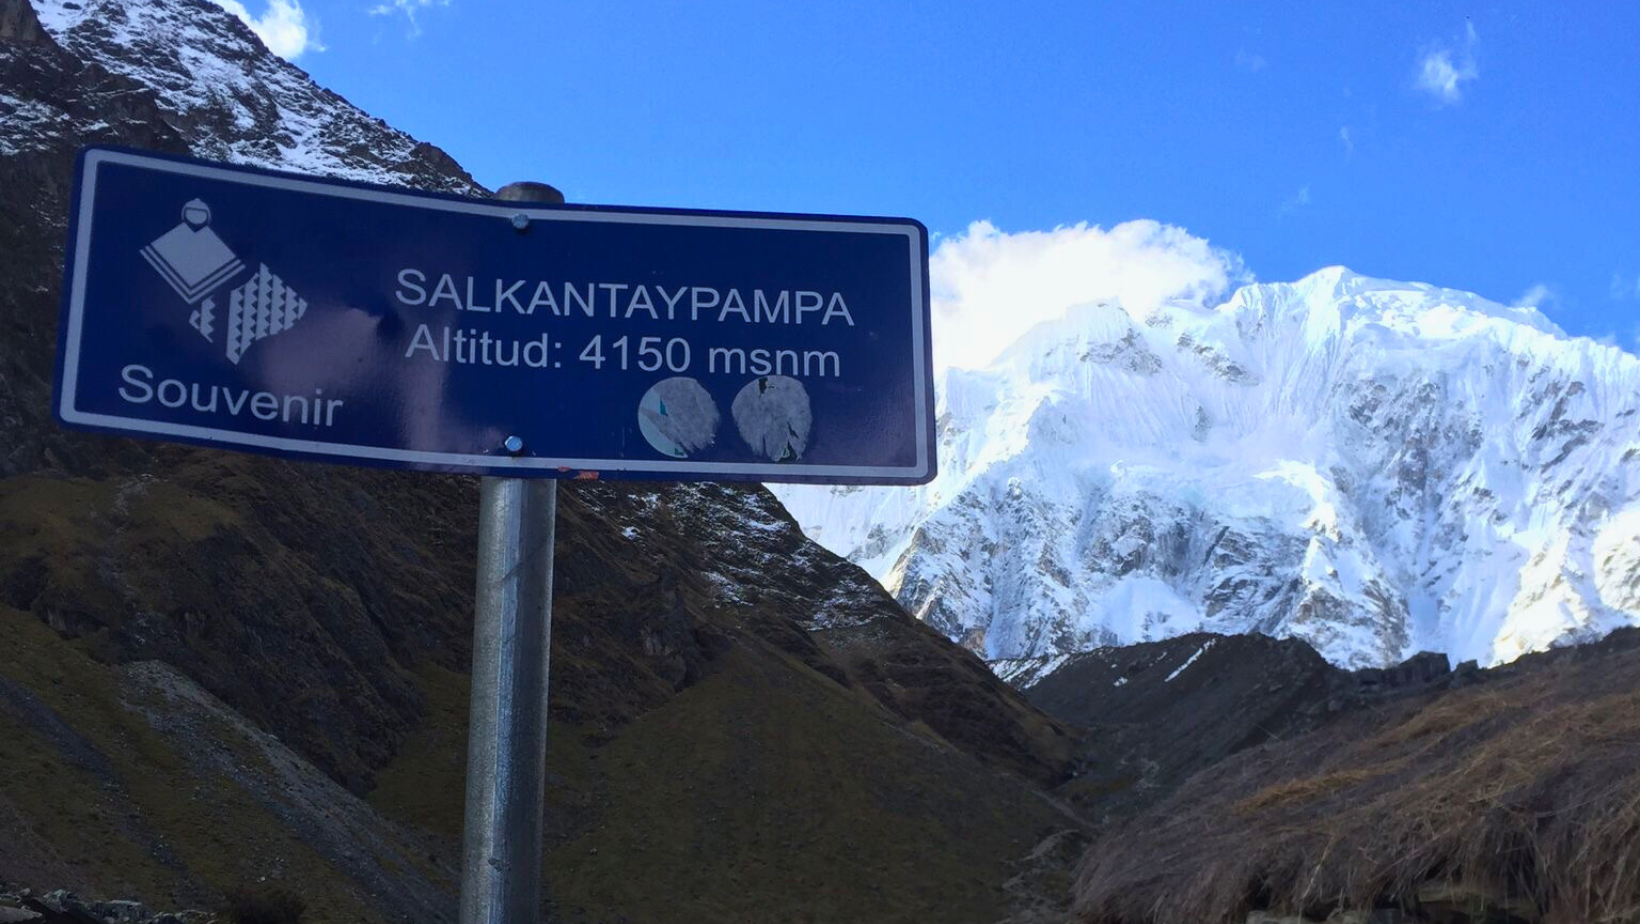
[(219, 668), (1244, 779), (1516, 800), (1158, 712)]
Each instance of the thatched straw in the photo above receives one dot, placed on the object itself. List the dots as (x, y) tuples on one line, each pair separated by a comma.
[(1524, 791)]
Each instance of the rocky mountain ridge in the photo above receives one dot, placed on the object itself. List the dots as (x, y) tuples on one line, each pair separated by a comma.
[(1156, 713), (1374, 467), (230, 99)]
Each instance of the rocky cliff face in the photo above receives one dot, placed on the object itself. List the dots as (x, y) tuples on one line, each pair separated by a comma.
[(229, 99), (219, 668), (1373, 467)]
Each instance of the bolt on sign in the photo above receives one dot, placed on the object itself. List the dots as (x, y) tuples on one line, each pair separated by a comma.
[(293, 316)]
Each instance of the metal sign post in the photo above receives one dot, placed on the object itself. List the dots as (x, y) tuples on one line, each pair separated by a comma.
[(507, 727)]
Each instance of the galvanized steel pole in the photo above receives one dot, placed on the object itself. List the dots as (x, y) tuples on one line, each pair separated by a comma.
[(507, 728)]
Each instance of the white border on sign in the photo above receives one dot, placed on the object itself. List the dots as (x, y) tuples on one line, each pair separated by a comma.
[(82, 250)]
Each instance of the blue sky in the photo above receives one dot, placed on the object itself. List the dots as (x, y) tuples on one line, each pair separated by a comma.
[(1494, 148)]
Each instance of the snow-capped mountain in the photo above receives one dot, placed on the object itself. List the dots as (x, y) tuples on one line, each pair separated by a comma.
[(231, 99), (1375, 467)]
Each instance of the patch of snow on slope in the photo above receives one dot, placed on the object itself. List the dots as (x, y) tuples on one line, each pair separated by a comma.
[(1188, 661), (27, 124), (236, 101)]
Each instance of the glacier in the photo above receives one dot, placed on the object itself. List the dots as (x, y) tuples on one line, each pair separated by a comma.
[(1375, 467)]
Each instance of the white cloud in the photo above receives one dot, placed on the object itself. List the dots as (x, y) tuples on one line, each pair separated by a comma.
[(1442, 70), (990, 287), (1344, 136), (284, 26), (409, 8), (1251, 62), (1538, 296)]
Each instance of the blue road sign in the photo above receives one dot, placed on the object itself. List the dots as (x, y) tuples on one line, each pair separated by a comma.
[(265, 312)]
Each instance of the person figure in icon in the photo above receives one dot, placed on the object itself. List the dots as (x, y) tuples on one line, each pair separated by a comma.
[(196, 214), (190, 257), (193, 261)]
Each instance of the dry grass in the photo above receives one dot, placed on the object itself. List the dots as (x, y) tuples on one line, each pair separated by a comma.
[(1302, 789), (1525, 790)]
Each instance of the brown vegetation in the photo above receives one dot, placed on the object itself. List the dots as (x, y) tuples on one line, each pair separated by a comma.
[(1522, 795)]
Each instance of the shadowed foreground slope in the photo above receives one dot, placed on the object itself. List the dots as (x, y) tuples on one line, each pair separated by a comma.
[(1514, 800)]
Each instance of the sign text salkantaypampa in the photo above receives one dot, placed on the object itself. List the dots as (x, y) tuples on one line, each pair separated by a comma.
[(280, 314)]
